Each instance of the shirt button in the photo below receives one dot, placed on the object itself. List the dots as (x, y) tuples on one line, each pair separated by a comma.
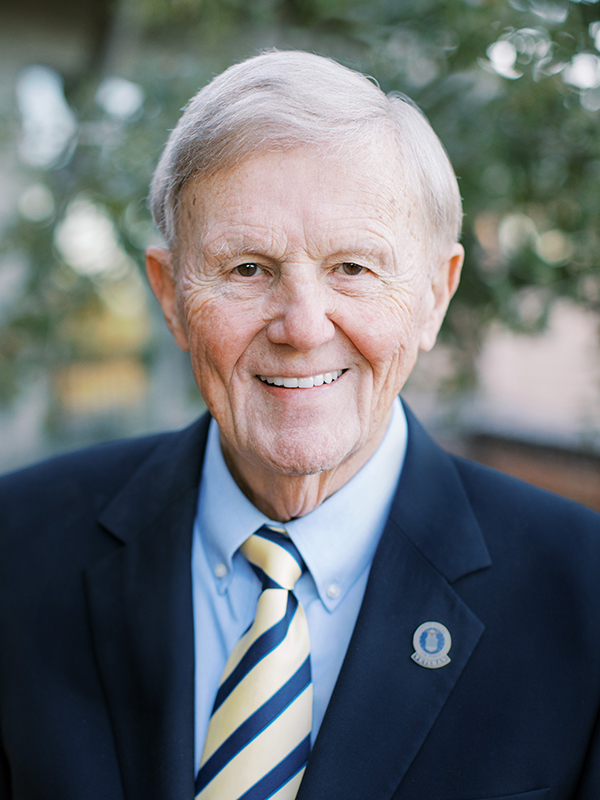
[(333, 590), (220, 570)]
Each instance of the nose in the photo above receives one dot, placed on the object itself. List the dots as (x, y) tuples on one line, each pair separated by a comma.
[(301, 314)]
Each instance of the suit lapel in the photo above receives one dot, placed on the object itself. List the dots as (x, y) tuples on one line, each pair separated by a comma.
[(140, 601), (384, 704)]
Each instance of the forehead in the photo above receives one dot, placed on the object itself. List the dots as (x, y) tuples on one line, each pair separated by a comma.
[(297, 193)]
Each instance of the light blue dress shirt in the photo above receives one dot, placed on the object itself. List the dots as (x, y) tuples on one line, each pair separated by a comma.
[(337, 541)]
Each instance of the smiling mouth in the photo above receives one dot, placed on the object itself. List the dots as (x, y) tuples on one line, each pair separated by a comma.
[(303, 383)]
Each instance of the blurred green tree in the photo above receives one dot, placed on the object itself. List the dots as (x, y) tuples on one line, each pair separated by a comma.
[(511, 86)]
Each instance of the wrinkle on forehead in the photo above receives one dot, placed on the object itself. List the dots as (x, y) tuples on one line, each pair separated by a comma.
[(225, 222)]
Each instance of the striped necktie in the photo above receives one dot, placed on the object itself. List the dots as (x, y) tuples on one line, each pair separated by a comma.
[(258, 739)]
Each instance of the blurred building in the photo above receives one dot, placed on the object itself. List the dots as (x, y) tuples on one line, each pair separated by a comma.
[(535, 412)]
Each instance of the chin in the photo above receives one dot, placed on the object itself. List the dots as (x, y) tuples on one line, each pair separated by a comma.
[(302, 457)]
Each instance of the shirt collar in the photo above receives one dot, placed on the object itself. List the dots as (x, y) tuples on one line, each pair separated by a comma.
[(337, 540)]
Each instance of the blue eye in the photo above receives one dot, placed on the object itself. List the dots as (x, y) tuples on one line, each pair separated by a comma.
[(247, 270), (349, 268)]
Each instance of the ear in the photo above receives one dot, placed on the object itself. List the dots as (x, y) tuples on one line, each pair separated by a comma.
[(443, 285), (159, 268)]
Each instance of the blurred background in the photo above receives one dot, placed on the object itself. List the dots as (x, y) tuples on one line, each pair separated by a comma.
[(88, 94)]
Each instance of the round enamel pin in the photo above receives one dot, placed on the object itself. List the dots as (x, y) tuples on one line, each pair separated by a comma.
[(432, 641)]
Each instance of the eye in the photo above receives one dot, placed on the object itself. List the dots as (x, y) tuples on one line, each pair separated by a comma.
[(247, 270), (350, 268)]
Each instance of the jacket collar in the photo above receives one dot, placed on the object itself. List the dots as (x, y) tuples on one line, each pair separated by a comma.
[(170, 472), (432, 508)]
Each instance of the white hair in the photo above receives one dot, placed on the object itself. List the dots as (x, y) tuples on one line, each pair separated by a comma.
[(284, 99)]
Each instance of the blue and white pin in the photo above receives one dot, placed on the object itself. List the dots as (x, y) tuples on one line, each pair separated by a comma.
[(432, 641)]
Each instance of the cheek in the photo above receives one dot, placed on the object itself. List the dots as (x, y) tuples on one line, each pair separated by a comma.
[(385, 332), (219, 334)]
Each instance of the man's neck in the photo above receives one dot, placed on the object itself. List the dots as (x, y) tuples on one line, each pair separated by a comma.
[(284, 497)]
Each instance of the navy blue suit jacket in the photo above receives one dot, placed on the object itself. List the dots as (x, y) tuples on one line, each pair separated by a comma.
[(96, 636)]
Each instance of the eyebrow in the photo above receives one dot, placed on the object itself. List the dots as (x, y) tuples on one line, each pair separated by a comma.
[(365, 247), (241, 245)]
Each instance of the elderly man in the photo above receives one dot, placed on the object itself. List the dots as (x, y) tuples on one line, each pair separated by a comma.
[(302, 595)]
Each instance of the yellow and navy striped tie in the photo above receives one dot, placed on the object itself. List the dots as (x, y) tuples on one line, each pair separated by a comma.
[(258, 739)]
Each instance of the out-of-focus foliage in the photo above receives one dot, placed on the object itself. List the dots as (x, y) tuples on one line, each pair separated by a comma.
[(511, 86)]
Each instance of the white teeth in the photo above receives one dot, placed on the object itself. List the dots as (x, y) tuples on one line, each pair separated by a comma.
[(303, 383)]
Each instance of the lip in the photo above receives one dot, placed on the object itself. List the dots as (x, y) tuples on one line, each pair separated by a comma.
[(302, 382)]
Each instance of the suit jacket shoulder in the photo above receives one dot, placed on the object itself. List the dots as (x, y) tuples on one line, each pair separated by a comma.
[(84, 482), (530, 528)]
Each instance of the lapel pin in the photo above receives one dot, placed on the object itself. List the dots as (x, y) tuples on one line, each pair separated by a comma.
[(432, 641)]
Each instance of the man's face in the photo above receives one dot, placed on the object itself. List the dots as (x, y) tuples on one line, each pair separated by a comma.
[(303, 295)]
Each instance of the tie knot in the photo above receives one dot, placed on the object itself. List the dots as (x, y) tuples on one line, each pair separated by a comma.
[(275, 556)]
